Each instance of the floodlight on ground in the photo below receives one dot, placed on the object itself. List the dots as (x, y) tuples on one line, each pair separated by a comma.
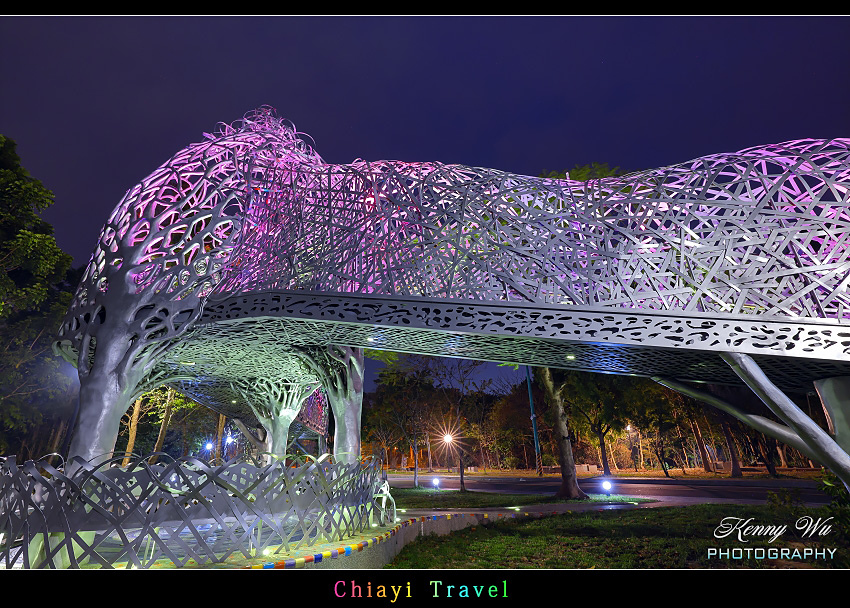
[(435, 482), (606, 485)]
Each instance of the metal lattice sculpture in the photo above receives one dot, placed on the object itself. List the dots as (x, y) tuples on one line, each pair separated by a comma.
[(760, 232), (313, 414), (186, 510), (651, 273)]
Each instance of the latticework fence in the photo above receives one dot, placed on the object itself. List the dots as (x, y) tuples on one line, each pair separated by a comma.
[(105, 515)]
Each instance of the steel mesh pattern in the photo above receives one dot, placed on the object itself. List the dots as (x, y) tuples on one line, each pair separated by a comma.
[(791, 353), (759, 232), (254, 210), (762, 231), (181, 511), (314, 411)]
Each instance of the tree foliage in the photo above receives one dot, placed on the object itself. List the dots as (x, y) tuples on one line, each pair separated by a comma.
[(582, 173), (36, 286), (31, 262)]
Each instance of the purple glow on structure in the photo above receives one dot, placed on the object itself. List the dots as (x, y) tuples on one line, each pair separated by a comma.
[(760, 231)]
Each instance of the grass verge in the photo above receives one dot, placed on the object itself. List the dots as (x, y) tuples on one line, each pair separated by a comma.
[(663, 537), (425, 498)]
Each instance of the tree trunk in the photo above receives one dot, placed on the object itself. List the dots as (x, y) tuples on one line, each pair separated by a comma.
[(483, 461), (730, 443), (767, 447), (219, 432), (613, 456), (783, 461), (53, 431), (640, 450), (415, 461), (461, 465), (184, 435), (659, 453), (35, 452), (706, 465), (606, 470), (163, 427), (131, 436), (569, 483), (430, 462), (60, 434)]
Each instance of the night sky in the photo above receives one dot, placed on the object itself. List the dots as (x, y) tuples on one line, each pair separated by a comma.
[(97, 103)]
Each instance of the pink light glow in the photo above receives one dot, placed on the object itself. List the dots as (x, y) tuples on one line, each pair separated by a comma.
[(683, 237)]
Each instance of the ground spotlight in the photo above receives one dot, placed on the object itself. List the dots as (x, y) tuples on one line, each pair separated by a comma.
[(606, 485), (435, 482)]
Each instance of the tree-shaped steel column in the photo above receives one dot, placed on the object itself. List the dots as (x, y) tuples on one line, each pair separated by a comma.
[(275, 403), (340, 370)]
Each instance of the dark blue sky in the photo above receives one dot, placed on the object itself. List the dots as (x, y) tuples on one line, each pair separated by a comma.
[(97, 103)]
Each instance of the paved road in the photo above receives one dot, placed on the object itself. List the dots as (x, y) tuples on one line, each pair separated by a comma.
[(681, 491)]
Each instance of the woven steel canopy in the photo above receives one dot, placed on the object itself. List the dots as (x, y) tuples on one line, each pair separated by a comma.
[(246, 245)]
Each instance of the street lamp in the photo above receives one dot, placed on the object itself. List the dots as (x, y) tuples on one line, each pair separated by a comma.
[(448, 440)]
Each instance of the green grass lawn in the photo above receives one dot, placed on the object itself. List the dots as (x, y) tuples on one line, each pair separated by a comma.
[(663, 537), (698, 473), (426, 498)]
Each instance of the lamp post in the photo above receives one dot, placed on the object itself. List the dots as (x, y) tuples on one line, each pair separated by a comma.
[(538, 457), (632, 447), (448, 440)]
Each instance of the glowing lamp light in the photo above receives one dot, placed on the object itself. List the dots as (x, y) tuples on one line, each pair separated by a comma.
[(435, 482), (230, 440), (209, 446), (448, 438), (606, 485)]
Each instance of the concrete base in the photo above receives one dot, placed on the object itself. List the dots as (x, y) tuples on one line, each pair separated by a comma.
[(377, 552), (382, 553)]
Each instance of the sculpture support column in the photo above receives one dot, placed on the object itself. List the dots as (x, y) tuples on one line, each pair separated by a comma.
[(106, 391), (828, 451), (279, 431), (340, 370), (347, 413), (102, 404), (834, 395), (798, 430), (275, 402)]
